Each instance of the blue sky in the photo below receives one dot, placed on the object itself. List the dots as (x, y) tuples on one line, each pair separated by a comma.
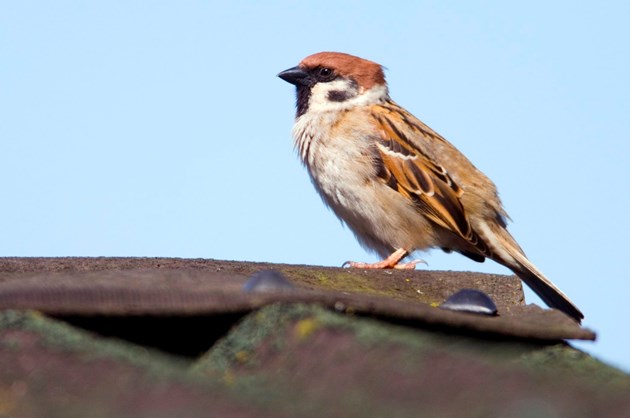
[(161, 129)]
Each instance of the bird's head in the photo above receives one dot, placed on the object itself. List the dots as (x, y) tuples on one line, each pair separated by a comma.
[(329, 81)]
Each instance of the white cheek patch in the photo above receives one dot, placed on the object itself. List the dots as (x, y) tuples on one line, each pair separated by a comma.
[(321, 93)]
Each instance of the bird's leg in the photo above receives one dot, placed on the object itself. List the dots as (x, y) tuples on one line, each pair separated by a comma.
[(391, 262)]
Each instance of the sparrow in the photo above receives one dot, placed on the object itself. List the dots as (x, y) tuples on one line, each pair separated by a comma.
[(395, 182)]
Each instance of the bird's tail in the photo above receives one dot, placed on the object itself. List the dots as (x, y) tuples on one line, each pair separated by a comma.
[(507, 252)]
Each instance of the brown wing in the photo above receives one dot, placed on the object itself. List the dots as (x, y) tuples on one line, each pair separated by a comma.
[(412, 173)]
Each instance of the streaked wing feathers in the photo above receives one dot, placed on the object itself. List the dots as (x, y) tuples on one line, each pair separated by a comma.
[(406, 169)]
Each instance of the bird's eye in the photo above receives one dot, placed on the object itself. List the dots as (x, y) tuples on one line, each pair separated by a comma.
[(325, 73)]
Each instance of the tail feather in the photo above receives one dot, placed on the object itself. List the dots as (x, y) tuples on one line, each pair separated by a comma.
[(544, 288), (506, 251)]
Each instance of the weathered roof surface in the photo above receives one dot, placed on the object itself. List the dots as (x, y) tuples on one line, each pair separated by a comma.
[(188, 341), (174, 287)]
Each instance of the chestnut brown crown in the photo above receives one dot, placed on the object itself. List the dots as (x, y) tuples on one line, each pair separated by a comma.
[(366, 73)]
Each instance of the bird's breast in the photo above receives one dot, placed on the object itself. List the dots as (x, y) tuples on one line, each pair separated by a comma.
[(339, 153), (337, 156)]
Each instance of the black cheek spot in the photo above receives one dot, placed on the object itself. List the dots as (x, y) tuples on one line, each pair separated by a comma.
[(337, 96)]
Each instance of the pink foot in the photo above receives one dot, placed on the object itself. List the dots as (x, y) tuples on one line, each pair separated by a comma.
[(391, 262)]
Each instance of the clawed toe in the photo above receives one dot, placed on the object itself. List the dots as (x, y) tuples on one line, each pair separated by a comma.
[(410, 265), (391, 262)]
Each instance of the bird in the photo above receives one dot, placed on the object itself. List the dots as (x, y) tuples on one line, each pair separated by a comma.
[(397, 184)]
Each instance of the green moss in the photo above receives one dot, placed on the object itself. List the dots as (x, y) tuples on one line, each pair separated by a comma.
[(272, 325), (576, 364), (233, 362), (256, 328), (350, 281), (59, 336)]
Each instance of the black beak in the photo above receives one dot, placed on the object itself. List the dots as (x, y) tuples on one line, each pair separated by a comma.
[(295, 75)]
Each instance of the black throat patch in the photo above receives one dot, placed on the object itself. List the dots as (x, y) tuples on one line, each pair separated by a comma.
[(303, 96)]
